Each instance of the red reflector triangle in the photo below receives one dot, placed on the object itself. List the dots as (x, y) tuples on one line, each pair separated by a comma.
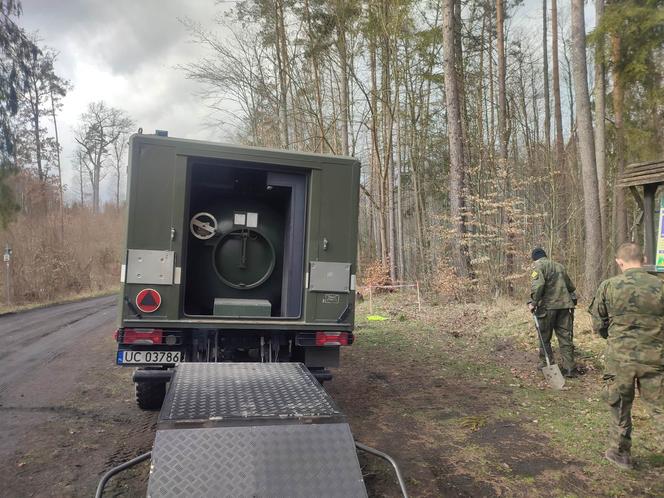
[(148, 300)]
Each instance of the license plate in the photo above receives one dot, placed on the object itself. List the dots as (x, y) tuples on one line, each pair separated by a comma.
[(151, 357)]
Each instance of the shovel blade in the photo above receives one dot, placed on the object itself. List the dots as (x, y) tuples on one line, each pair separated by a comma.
[(554, 376)]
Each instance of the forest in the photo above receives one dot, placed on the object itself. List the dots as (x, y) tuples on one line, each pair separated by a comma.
[(484, 129)]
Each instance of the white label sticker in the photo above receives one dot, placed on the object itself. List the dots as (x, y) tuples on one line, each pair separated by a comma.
[(123, 270), (177, 275), (240, 219), (252, 220)]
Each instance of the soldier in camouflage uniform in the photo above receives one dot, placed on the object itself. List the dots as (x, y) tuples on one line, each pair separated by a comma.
[(552, 299), (628, 311)]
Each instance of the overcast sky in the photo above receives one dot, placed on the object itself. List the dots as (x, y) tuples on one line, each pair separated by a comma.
[(125, 52)]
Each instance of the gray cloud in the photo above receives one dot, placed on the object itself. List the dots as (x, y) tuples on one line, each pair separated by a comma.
[(125, 52), (124, 34)]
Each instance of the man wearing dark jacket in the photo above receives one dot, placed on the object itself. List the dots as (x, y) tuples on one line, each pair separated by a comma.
[(552, 299)]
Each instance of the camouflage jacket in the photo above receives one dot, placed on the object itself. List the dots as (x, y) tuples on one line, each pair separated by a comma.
[(551, 287), (628, 311)]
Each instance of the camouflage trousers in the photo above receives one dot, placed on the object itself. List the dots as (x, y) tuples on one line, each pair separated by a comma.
[(621, 381), (562, 323)]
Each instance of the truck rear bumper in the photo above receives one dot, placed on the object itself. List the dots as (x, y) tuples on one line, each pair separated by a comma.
[(256, 325)]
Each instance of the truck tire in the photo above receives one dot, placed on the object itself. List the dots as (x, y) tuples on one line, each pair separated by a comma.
[(321, 374), (150, 395)]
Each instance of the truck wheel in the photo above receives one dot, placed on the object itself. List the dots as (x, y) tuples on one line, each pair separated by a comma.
[(150, 395), (321, 374)]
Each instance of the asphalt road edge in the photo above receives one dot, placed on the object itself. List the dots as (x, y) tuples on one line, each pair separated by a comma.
[(67, 300)]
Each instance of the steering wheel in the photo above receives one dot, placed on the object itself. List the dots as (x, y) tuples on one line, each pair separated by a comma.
[(203, 226)]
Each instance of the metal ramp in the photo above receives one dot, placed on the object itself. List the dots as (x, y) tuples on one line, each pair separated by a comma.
[(251, 429)]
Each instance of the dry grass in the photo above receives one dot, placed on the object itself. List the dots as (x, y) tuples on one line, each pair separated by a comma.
[(52, 261), (16, 308)]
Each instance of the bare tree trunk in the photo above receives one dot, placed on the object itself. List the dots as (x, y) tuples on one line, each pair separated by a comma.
[(620, 216), (502, 101), (37, 132), (524, 111), (96, 181), (343, 61), (80, 183), (401, 259), (458, 46), (593, 226), (454, 134), (547, 96), (376, 169), (600, 118), (481, 95), (503, 137), (316, 80), (282, 63), (558, 117), (492, 94), (387, 134), (60, 188), (533, 103), (570, 89), (117, 189)]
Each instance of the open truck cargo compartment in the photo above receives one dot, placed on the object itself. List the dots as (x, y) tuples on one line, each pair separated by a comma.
[(215, 229), (252, 429)]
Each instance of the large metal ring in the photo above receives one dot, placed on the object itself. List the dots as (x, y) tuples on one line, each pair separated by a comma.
[(255, 234)]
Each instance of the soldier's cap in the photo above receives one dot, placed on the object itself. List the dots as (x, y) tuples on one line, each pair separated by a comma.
[(538, 253)]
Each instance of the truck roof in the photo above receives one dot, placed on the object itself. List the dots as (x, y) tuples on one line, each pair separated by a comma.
[(204, 148)]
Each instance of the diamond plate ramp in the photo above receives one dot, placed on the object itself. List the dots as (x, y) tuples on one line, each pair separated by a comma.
[(294, 460), (231, 392)]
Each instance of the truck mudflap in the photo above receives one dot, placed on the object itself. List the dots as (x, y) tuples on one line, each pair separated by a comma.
[(252, 429)]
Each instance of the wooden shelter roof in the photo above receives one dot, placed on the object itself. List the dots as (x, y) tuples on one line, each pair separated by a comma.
[(642, 174)]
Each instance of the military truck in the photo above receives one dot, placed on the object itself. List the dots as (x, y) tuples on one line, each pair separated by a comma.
[(235, 254)]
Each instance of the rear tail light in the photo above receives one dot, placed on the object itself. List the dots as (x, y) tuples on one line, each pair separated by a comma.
[(142, 336), (331, 338)]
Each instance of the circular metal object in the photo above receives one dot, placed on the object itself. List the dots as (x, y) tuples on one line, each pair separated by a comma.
[(244, 258), (203, 226)]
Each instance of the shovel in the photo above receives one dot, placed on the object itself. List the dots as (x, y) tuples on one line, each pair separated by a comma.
[(552, 373)]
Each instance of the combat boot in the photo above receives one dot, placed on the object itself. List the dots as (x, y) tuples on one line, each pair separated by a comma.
[(621, 459), (570, 373)]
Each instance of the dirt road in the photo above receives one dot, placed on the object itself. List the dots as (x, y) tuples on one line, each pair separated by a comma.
[(66, 411)]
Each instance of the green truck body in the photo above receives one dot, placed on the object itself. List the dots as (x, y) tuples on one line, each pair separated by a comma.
[(236, 253)]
